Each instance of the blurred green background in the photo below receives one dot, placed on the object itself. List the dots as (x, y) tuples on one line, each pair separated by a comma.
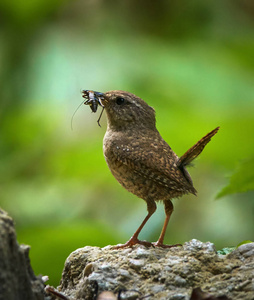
[(193, 61)]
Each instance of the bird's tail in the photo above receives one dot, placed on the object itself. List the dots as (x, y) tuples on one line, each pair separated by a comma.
[(195, 150)]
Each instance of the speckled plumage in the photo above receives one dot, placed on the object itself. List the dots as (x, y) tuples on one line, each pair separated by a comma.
[(139, 158), (145, 165)]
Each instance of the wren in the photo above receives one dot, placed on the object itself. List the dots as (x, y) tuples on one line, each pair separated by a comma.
[(140, 160)]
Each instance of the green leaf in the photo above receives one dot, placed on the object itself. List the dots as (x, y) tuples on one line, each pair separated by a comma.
[(226, 250), (242, 180), (244, 242)]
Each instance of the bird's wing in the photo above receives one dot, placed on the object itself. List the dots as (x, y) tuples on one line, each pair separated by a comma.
[(153, 160)]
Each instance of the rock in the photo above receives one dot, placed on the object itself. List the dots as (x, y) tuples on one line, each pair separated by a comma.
[(157, 273), (243, 252), (17, 280)]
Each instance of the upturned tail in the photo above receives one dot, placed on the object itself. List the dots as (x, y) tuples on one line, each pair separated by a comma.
[(195, 150)]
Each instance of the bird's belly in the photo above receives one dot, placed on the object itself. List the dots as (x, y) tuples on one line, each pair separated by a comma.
[(139, 185)]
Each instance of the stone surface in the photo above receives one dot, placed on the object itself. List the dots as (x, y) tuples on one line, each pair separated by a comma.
[(17, 280), (157, 273)]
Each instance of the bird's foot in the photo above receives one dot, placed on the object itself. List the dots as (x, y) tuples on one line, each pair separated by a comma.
[(160, 244), (133, 241)]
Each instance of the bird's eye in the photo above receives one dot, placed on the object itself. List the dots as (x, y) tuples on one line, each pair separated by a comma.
[(120, 100)]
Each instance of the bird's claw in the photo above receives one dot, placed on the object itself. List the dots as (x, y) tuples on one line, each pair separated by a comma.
[(132, 242), (159, 244)]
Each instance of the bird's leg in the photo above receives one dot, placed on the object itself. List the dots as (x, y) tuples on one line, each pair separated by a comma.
[(151, 207), (168, 205)]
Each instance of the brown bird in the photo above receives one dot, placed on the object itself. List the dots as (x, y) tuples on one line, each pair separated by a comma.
[(140, 159)]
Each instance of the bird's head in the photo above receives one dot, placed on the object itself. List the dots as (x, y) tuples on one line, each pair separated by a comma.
[(127, 111)]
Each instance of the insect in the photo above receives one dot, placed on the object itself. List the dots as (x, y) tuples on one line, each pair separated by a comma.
[(93, 99)]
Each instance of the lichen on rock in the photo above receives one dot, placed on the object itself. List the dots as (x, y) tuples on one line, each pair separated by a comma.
[(159, 273)]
